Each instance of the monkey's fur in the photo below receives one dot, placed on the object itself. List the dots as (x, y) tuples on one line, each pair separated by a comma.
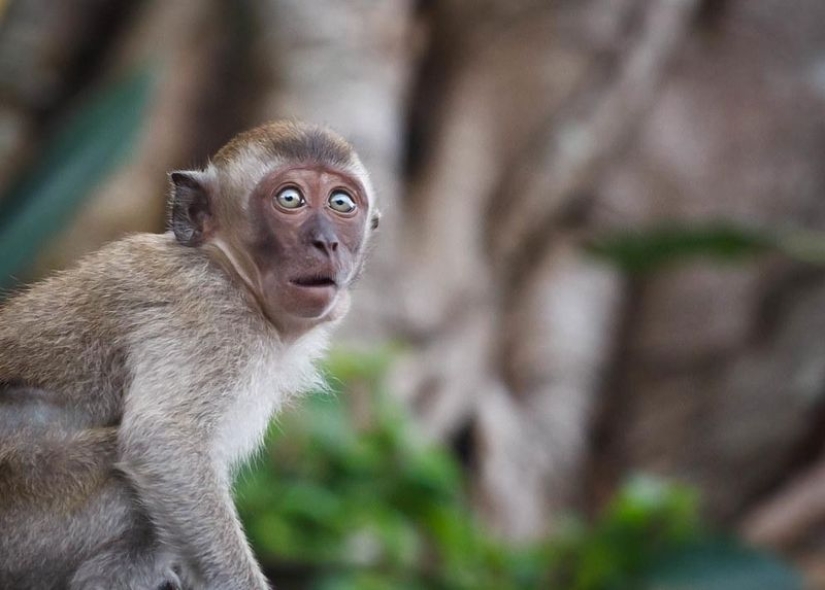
[(131, 385)]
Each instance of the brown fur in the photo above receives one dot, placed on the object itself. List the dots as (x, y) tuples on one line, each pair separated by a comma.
[(292, 141)]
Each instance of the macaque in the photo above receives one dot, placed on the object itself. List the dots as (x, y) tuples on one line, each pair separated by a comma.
[(133, 385)]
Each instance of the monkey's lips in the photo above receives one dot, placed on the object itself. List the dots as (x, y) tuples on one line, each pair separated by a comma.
[(315, 281)]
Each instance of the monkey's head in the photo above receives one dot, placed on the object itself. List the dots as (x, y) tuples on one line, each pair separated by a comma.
[(287, 208)]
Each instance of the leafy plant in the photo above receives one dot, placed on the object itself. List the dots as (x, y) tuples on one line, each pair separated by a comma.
[(334, 507)]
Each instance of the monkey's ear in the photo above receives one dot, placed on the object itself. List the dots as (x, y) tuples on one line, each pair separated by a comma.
[(376, 218), (190, 210)]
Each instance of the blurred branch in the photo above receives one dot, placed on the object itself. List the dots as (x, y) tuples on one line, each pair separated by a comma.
[(571, 153), (791, 513), (804, 246)]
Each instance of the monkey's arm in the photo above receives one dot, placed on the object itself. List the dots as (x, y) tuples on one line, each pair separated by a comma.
[(166, 454)]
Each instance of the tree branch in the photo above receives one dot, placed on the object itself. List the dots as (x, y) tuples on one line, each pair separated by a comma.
[(571, 153), (787, 516)]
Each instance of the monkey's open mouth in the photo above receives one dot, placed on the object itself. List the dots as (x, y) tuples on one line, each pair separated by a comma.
[(314, 281)]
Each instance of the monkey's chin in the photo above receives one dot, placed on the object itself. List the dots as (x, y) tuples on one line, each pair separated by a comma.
[(310, 303)]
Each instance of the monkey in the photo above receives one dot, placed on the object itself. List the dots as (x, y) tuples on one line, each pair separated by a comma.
[(133, 385)]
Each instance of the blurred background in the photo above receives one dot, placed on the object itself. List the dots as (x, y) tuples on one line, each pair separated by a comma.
[(589, 351)]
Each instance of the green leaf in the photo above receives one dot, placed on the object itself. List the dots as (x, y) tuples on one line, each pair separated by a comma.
[(647, 502), (87, 147), (651, 249), (367, 366), (379, 508)]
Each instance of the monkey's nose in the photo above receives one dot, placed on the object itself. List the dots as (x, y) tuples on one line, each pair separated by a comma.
[(320, 234), (325, 244)]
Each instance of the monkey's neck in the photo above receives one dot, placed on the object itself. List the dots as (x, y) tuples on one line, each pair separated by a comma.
[(223, 256)]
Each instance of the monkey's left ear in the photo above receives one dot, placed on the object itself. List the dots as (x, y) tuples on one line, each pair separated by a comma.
[(190, 211), (376, 219)]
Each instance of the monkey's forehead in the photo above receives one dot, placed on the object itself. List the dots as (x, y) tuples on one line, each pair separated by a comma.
[(292, 141)]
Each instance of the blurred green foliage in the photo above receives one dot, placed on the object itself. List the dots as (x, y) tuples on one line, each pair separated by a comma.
[(335, 507), (86, 147), (651, 249), (646, 250)]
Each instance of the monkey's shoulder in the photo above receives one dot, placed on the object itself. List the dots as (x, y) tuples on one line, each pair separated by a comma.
[(133, 268), (166, 290), (145, 285), (151, 277), (152, 263)]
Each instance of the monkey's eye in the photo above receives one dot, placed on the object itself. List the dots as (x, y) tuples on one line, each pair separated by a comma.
[(290, 198), (341, 202)]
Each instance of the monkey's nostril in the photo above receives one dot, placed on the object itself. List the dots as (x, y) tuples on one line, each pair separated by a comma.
[(326, 246)]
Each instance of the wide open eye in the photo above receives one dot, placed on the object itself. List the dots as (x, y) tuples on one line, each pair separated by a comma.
[(341, 202), (290, 198)]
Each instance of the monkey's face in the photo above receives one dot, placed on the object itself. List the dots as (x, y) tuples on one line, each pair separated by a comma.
[(295, 240), (309, 225)]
